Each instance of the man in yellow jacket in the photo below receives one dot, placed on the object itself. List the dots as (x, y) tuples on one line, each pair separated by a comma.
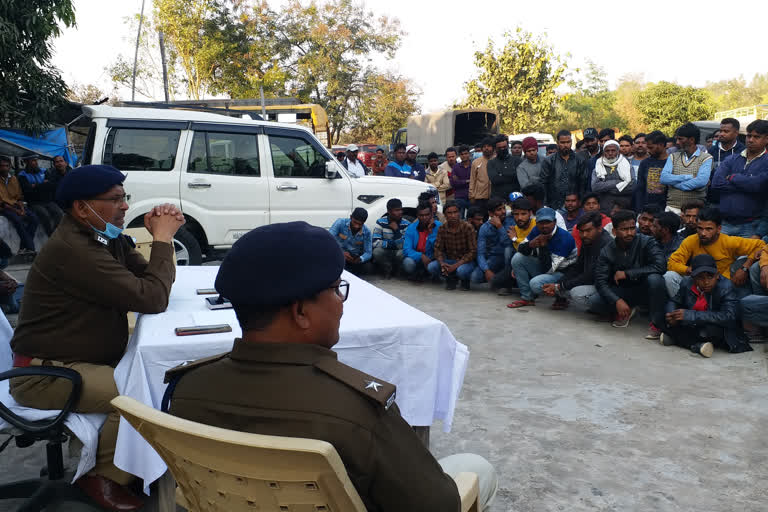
[(734, 255)]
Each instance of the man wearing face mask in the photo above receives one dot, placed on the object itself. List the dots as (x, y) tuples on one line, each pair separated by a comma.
[(502, 170), (80, 287)]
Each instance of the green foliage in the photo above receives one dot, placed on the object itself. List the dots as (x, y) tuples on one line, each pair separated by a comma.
[(519, 81), (737, 93), (383, 107), (31, 89), (666, 106), (328, 47), (590, 104)]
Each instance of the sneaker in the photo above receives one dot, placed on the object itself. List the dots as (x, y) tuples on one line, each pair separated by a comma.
[(654, 333), (705, 349), (464, 286), (666, 340), (618, 323)]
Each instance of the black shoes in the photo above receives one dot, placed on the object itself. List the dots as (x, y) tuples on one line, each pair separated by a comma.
[(464, 285)]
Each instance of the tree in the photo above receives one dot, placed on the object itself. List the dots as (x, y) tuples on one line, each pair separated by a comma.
[(666, 106), (244, 53), (88, 94), (590, 104), (519, 81), (629, 87), (183, 24), (149, 70), (328, 48), (384, 105), (31, 89)]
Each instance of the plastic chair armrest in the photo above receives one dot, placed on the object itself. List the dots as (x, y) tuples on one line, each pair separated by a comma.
[(36, 427)]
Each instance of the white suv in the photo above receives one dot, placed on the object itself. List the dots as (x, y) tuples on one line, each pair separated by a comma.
[(231, 175)]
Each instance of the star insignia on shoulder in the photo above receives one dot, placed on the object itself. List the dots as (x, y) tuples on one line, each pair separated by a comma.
[(372, 384)]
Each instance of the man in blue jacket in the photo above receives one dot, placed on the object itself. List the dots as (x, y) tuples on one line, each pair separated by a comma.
[(742, 180), (727, 144), (355, 239), (494, 249), (542, 257), (419, 244)]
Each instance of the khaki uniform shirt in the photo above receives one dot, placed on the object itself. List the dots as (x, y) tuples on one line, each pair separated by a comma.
[(10, 192), (479, 183), (79, 290), (297, 390), (439, 179)]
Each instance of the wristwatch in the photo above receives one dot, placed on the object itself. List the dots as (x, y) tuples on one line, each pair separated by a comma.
[(745, 268)]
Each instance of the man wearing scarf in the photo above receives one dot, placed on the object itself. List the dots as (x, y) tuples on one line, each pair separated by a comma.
[(705, 312), (612, 177)]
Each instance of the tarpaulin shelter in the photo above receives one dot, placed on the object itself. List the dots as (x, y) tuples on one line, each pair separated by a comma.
[(47, 144)]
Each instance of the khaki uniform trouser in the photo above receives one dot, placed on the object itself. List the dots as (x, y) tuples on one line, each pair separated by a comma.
[(98, 390)]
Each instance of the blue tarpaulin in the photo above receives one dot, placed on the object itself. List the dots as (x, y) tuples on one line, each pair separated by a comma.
[(48, 144)]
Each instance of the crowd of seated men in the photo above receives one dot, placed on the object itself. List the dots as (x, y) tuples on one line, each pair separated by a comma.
[(586, 247)]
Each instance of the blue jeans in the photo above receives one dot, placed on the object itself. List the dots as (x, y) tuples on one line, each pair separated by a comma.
[(745, 230), (413, 267), (464, 272), (530, 276), (11, 302), (496, 264), (463, 206), (25, 226), (754, 310)]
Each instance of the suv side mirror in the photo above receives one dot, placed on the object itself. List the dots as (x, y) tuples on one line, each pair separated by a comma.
[(330, 170)]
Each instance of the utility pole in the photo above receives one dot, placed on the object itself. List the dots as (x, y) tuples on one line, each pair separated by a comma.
[(136, 54)]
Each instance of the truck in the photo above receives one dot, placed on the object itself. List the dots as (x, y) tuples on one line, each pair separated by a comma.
[(440, 130), (229, 175)]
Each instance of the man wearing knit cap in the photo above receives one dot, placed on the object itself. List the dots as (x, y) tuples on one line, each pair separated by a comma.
[(417, 170), (80, 287), (290, 314), (530, 168)]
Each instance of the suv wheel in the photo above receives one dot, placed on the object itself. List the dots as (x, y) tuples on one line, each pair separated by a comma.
[(187, 248)]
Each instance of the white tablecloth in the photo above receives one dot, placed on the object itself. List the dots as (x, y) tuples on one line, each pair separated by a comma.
[(380, 335)]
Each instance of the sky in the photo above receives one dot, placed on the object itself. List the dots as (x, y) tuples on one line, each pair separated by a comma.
[(684, 42)]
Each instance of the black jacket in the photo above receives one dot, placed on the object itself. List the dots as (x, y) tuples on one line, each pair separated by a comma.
[(560, 177), (503, 176), (724, 311), (642, 258), (583, 271)]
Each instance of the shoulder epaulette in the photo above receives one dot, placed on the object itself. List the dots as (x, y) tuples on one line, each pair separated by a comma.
[(184, 367), (378, 390)]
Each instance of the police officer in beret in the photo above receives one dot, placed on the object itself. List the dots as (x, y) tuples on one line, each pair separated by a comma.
[(80, 287), (294, 385)]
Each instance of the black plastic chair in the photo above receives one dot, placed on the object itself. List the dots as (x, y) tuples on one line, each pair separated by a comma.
[(43, 492)]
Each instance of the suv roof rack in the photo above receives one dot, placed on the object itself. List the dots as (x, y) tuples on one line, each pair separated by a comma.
[(195, 106)]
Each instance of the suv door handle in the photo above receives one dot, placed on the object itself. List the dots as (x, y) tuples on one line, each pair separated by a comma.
[(287, 187), (197, 184)]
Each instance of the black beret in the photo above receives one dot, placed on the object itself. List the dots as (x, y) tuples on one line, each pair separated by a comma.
[(277, 264), (86, 182)]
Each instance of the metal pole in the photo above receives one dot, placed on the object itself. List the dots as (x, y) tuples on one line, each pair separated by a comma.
[(136, 54), (165, 68)]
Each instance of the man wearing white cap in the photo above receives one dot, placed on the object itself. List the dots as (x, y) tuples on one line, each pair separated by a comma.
[(352, 164), (417, 170)]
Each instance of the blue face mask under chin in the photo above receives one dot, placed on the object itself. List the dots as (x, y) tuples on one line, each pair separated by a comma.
[(110, 230)]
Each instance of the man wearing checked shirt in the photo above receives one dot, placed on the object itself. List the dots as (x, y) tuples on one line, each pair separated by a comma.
[(356, 240)]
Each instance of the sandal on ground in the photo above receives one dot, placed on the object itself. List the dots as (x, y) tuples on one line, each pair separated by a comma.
[(521, 303), (559, 304)]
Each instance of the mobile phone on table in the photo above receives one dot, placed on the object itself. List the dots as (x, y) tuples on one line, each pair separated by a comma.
[(202, 329), (207, 291), (217, 303)]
